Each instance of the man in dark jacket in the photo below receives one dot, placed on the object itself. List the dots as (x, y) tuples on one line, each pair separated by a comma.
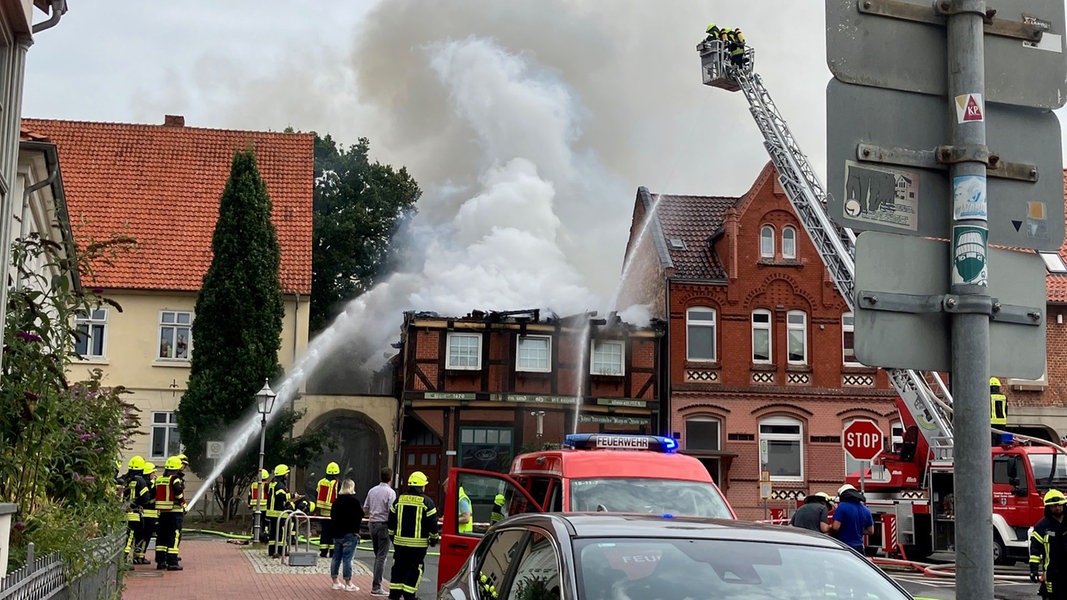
[(346, 516), (814, 514)]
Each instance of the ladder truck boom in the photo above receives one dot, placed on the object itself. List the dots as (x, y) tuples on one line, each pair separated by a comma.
[(836, 245)]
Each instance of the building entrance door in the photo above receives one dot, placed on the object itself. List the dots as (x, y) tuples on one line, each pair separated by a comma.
[(428, 460)]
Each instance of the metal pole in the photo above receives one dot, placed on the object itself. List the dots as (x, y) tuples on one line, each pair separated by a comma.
[(259, 500), (969, 301)]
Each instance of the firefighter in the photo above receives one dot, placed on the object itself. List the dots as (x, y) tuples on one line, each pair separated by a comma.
[(412, 528), (279, 500), (998, 415), (135, 496), (736, 45), (327, 494), (713, 32), (1048, 548), (181, 515), (170, 502), (466, 518), (148, 517), (498, 510), (257, 501)]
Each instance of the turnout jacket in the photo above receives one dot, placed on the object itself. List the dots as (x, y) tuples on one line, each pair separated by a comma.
[(413, 519), (1048, 548)]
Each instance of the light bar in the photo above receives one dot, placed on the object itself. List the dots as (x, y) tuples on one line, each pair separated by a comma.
[(610, 441)]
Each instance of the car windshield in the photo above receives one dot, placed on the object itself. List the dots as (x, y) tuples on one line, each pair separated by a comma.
[(1042, 465), (686, 569), (657, 496)]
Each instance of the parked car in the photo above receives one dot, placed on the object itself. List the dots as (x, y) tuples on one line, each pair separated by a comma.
[(606, 556)]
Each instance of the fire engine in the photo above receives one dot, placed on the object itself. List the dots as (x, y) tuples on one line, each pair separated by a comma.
[(909, 489), (592, 472)]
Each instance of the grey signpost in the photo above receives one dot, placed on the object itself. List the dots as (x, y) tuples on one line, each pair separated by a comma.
[(922, 186)]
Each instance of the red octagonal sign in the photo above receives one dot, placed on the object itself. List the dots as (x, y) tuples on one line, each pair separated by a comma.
[(862, 440)]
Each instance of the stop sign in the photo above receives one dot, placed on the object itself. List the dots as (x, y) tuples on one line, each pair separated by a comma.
[(862, 439)]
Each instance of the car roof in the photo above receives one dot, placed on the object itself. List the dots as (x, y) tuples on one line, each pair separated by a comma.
[(602, 524), (612, 463)]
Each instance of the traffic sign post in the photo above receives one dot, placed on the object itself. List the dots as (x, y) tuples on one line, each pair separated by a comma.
[(862, 440), (895, 168)]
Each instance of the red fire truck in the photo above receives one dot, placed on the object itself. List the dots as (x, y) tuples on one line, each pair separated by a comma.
[(592, 472), (910, 491)]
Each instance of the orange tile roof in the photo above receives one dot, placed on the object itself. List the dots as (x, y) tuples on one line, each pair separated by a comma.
[(161, 184)]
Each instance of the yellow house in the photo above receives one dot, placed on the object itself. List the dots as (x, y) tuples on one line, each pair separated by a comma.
[(160, 185)]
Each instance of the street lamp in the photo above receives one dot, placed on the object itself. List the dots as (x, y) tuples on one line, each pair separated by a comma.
[(264, 403)]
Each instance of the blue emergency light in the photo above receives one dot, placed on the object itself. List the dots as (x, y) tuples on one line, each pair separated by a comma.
[(620, 441)]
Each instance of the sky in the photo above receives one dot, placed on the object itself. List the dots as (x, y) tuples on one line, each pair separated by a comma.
[(529, 124)]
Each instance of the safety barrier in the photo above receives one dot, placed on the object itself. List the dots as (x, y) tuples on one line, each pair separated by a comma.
[(47, 578)]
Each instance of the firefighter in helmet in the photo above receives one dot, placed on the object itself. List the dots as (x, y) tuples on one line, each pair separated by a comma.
[(712, 31), (257, 501), (148, 517), (498, 510), (413, 529), (279, 500), (1048, 548), (135, 496), (170, 502), (327, 495)]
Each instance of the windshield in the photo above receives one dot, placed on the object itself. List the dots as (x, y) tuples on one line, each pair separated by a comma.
[(683, 569), (1042, 466), (657, 496)]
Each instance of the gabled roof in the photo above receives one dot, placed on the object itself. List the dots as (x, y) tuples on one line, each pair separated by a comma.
[(1056, 283), (685, 227), (161, 185)]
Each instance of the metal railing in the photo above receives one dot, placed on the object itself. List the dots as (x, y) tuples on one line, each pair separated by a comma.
[(48, 577)]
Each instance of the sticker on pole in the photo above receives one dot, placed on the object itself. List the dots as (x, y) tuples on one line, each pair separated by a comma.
[(969, 108), (969, 246), (969, 197), (886, 196)]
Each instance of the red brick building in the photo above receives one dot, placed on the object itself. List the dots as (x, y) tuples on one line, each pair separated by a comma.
[(761, 368), (478, 389)]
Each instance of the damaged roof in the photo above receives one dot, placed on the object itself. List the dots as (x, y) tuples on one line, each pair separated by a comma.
[(686, 227)]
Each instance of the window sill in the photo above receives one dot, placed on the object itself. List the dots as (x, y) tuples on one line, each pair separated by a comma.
[(798, 368), (780, 262), (536, 374), (703, 364), (858, 368), (764, 367), (463, 372), (172, 363), (98, 360)]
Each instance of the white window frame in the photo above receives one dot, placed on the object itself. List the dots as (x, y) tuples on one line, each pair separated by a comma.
[(165, 424), (531, 355), (175, 326), (92, 328), (601, 351), (694, 325), (763, 329), (796, 321), (458, 358), (848, 340), (777, 438), (789, 242), (766, 241)]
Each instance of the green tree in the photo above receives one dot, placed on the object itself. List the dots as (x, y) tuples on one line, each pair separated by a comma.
[(237, 335), (358, 207)]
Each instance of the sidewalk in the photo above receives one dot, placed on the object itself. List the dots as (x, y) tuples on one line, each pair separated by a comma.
[(218, 569)]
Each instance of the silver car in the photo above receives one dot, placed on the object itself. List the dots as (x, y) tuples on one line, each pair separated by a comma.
[(604, 556)]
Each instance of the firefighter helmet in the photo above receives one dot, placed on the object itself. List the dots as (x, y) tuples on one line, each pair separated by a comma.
[(264, 474), (281, 470), (499, 500), (711, 27), (332, 469), (1055, 498), (824, 496), (994, 382), (173, 464), (184, 459), (149, 468), (136, 463), (418, 479)]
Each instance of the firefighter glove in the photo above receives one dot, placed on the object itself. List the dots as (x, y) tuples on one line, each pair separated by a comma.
[(1033, 573), (433, 541)]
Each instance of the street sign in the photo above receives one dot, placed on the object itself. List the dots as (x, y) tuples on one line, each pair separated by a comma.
[(869, 134), (891, 264), (215, 449), (862, 439), (906, 52)]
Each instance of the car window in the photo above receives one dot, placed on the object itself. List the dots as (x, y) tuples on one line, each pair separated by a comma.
[(495, 560), (483, 492), (684, 569), (657, 496), (537, 573)]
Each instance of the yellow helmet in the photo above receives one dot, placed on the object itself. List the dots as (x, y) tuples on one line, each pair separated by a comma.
[(264, 474), (499, 500), (418, 479), (1054, 498), (993, 381), (184, 459), (332, 469), (136, 463), (173, 464), (149, 468), (281, 470), (711, 26)]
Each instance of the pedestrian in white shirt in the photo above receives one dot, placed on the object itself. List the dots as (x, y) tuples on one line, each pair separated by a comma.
[(376, 506)]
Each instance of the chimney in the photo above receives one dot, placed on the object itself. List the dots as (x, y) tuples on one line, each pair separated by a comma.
[(173, 121)]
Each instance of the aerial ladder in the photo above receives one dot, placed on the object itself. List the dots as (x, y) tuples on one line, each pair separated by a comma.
[(836, 245)]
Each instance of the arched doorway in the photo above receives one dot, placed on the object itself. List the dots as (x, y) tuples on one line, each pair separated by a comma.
[(360, 449)]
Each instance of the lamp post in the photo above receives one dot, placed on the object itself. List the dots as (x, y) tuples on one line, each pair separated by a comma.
[(264, 403)]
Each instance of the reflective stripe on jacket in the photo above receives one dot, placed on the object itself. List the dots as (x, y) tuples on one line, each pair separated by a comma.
[(413, 520)]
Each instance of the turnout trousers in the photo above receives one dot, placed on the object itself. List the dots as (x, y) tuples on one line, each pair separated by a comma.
[(407, 571)]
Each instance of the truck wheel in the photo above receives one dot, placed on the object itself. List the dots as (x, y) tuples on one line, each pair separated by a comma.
[(1000, 553)]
